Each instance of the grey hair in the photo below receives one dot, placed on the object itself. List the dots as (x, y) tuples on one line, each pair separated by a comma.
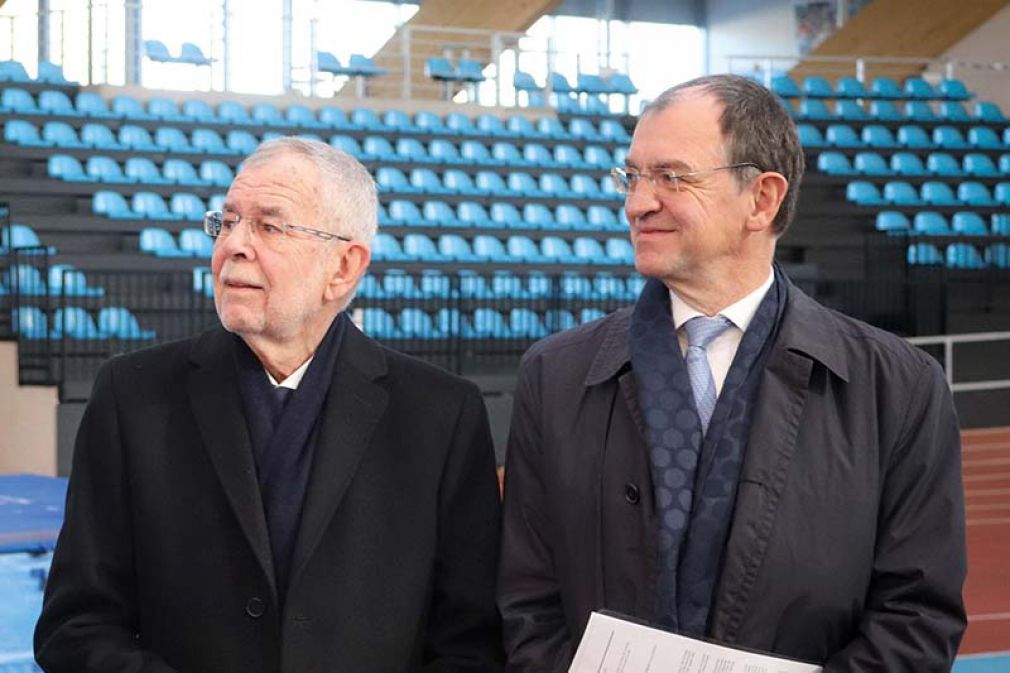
[(348, 200), (757, 130)]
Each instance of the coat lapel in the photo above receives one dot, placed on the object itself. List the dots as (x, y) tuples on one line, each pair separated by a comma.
[(217, 407), (352, 410)]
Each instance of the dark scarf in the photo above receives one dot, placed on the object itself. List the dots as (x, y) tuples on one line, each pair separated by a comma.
[(694, 478), (283, 439)]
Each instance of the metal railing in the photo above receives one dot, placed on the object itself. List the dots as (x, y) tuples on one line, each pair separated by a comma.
[(948, 342)]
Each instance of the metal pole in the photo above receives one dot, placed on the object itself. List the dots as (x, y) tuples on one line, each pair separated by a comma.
[(225, 47), (286, 46), (132, 42), (91, 39), (43, 29), (948, 360)]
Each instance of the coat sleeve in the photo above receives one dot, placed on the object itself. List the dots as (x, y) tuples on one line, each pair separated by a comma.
[(914, 614), (529, 596), (89, 612), (464, 629)]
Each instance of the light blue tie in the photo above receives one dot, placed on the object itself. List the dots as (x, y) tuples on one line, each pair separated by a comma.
[(700, 333)]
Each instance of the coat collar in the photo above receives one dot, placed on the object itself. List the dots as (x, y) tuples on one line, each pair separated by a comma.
[(808, 329)]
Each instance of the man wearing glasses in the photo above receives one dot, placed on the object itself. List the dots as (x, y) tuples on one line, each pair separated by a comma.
[(728, 459), (282, 494)]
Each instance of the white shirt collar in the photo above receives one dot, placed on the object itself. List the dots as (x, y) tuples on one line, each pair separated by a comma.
[(739, 313), (293, 380)]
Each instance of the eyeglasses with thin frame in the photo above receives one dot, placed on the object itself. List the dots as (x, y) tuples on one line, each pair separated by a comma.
[(665, 180), (220, 225)]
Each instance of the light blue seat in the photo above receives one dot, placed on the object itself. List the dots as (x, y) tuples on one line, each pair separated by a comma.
[(938, 194), (230, 112), (106, 169), (137, 138), (199, 111), (871, 163), (863, 193), (557, 320), (99, 136), (194, 241), (461, 124), (538, 155), (191, 207), (979, 165), (411, 149), (968, 223), (415, 323), (954, 112), (477, 153), (942, 164), (56, 103), (523, 249), (568, 156), (613, 130), (850, 111), (523, 81), (216, 202), (165, 109), (118, 322), (455, 248), (1001, 224), (348, 145), (785, 86), (953, 89), (989, 112), (493, 126), (591, 84), (900, 193), (369, 288), (152, 206), (948, 137), (389, 179), (585, 186), (924, 254), (930, 223), (385, 248), (216, 173), (814, 109), (558, 83), (556, 249), (74, 322), (67, 280), (817, 87), (525, 323), (892, 222), (919, 111), (209, 142), (429, 123), (489, 248), (459, 182), (21, 132), (192, 54), (241, 142), (158, 242), (379, 324), (575, 286), (539, 216), (523, 184), (439, 69), (143, 171), (30, 322), (507, 154), (405, 213), (302, 117), (488, 323), (975, 194), (850, 87), (590, 314), (172, 140), (111, 204), (552, 184), (428, 181), (129, 108), (810, 136), (181, 172), (267, 114), (327, 62), (913, 137), (399, 121), (584, 129), (18, 101), (589, 251), (472, 214), (551, 127), (65, 167), (367, 119), (505, 215), (13, 71), (998, 255), (875, 135), (398, 284), (568, 217), (609, 287), (598, 157), (907, 163), (601, 218), (885, 87), (1001, 192), (491, 184), (444, 152), (92, 105), (964, 256), (25, 279), (984, 138), (885, 111), (620, 249), (439, 214), (51, 73)]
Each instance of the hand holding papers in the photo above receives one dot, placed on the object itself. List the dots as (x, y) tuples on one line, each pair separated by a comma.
[(612, 645)]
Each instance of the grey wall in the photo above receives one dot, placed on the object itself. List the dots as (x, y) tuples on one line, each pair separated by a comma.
[(736, 27)]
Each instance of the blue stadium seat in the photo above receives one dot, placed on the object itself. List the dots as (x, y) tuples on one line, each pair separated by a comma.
[(892, 222), (817, 87), (863, 193), (302, 117), (493, 126), (444, 152), (488, 323), (1004, 164), (979, 165), (552, 184), (550, 127), (1001, 193), (585, 186), (930, 223), (523, 249), (379, 324), (621, 83), (901, 193), (461, 124), (455, 248), (601, 218), (216, 173), (230, 112), (558, 83), (74, 322), (192, 54), (918, 88), (474, 152), (984, 138), (556, 320), (938, 194), (614, 131), (924, 254), (67, 280), (492, 184), (568, 156), (567, 217), (885, 87), (998, 255), (191, 207), (590, 314), (875, 135), (809, 135), (65, 167), (427, 181), (814, 109), (106, 169), (267, 114), (913, 137), (13, 71), (151, 206), (405, 213), (505, 215), (385, 248), (508, 154), (415, 323), (99, 136), (969, 223), (439, 213), (943, 164), (459, 182), (536, 154), (523, 184), (871, 163), (470, 213), (348, 145), (208, 141), (196, 242), (953, 89), (975, 194), (521, 127), (490, 249), (989, 112), (948, 137), (199, 111), (25, 280), (964, 256), (57, 103), (241, 142), (173, 140), (137, 138), (181, 172), (919, 111), (606, 286), (538, 216), (435, 285), (584, 129), (51, 73), (367, 119), (17, 101), (111, 204), (575, 286), (785, 86), (850, 111), (523, 81), (143, 171), (411, 149), (954, 112), (118, 322), (1001, 224), (166, 110), (850, 87), (598, 157), (620, 249), (93, 105), (399, 121), (157, 241), (589, 251), (389, 179), (334, 117), (907, 163)]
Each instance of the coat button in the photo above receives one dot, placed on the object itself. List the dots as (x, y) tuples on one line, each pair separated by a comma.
[(631, 493), (255, 608)]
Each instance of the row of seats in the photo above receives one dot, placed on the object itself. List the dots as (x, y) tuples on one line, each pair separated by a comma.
[(516, 184), (469, 214), (614, 83), (881, 87), (931, 193), (482, 323), (909, 136), (49, 73), (62, 279), (189, 53), (484, 248), (959, 256), (466, 70), (395, 284), (963, 223), (358, 65), (75, 322), (88, 104), (845, 109), (140, 170), (973, 164), (151, 206), (192, 243)]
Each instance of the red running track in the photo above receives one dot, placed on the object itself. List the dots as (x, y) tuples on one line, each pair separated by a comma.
[(986, 460)]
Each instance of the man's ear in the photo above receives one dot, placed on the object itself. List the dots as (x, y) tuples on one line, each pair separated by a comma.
[(768, 191), (352, 266)]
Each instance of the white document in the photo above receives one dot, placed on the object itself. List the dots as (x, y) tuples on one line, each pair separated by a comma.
[(612, 645)]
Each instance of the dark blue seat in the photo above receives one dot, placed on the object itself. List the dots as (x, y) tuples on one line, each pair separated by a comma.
[(919, 111), (954, 112), (989, 112)]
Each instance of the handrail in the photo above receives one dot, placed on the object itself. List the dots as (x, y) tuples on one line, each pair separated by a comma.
[(860, 62), (948, 341)]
